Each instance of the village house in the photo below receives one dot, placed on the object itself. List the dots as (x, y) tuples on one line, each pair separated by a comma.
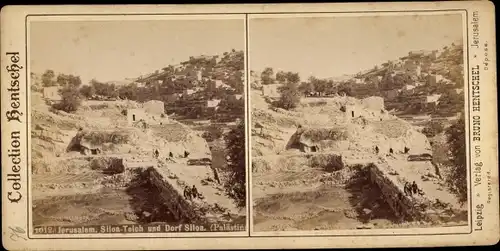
[(188, 92), (152, 112), (271, 91), (178, 68), (434, 79), (358, 81), (234, 97), (52, 94), (214, 103), (202, 57), (216, 84), (407, 89), (199, 75), (211, 106), (423, 53), (433, 98), (154, 107), (412, 67), (170, 98)]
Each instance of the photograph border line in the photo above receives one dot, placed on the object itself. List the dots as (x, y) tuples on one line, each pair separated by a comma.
[(249, 201)]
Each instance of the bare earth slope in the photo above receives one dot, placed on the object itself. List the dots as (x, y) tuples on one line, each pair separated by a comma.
[(307, 165), (75, 189)]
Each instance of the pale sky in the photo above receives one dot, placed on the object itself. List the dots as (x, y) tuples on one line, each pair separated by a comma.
[(333, 46), (115, 50)]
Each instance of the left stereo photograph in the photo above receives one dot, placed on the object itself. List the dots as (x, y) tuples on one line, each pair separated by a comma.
[(137, 125)]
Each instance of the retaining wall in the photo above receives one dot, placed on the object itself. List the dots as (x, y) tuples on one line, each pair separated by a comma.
[(171, 197), (404, 207)]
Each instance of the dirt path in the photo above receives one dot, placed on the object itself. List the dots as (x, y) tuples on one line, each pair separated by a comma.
[(193, 175), (414, 170)]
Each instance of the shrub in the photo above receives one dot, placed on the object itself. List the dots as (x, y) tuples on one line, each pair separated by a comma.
[(328, 162), (317, 134), (115, 137), (70, 100), (87, 91), (107, 165), (290, 93), (213, 133), (99, 106), (458, 173), (433, 128), (235, 186)]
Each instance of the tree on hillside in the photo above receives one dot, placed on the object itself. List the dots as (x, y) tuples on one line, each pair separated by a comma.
[(87, 91), (345, 88), (70, 99), (48, 78), (212, 133), (235, 184), (433, 128), (458, 173), (69, 80), (236, 81), (306, 87), (281, 77), (267, 76), (320, 85), (104, 89), (290, 93), (293, 77), (450, 103), (330, 86), (128, 91)]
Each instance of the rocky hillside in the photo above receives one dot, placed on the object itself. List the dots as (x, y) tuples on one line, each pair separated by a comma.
[(307, 163), (366, 122), (405, 82), (93, 155)]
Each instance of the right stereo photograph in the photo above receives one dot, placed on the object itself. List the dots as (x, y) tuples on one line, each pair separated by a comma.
[(358, 121)]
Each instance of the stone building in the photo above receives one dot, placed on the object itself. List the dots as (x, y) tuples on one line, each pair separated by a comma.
[(152, 112), (52, 93), (271, 90), (154, 107)]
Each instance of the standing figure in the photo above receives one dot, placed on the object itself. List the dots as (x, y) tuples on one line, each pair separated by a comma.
[(186, 154), (216, 176), (391, 151), (194, 192), (376, 149), (407, 189), (187, 193), (407, 150), (414, 187)]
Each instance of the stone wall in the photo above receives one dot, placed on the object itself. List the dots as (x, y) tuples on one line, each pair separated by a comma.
[(171, 198), (403, 206)]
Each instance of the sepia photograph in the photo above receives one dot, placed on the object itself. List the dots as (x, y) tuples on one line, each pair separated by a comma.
[(137, 125), (357, 122), (237, 126)]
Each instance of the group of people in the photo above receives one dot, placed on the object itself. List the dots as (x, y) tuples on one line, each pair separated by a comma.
[(391, 151), (156, 154), (412, 188), (191, 193)]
